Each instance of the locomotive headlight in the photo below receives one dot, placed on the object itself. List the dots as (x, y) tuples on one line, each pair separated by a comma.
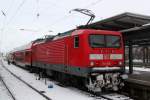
[(120, 62), (116, 56), (92, 63)]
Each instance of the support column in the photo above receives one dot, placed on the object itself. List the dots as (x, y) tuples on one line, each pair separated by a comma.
[(147, 56), (143, 55), (130, 58)]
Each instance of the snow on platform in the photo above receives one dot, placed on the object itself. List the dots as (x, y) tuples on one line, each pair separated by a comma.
[(141, 69), (138, 70)]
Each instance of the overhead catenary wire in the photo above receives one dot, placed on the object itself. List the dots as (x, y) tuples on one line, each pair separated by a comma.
[(13, 16), (5, 22), (20, 4), (2, 29), (10, 7), (67, 16), (5, 13), (37, 14), (15, 13), (92, 4)]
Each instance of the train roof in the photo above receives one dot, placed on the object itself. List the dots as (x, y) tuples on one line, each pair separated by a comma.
[(43, 40), (93, 31), (26, 47), (80, 31)]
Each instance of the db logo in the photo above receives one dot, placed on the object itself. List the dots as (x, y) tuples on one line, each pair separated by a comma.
[(106, 56)]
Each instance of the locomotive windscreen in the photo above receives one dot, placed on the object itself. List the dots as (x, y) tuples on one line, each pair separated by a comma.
[(98, 41)]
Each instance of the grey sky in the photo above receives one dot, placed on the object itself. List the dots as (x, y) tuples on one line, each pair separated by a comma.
[(55, 16)]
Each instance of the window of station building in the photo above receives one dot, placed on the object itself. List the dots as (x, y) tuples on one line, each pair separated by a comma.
[(76, 41)]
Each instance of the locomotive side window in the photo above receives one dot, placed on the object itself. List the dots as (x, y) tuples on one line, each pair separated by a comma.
[(76, 41)]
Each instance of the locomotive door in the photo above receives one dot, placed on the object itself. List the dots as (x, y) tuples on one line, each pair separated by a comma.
[(66, 60)]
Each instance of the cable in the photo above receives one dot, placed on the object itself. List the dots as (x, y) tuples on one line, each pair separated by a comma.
[(87, 6), (55, 22), (38, 14), (11, 5), (93, 4), (55, 4), (18, 8), (13, 16), (4, 13), (2, 31), (5, 16)]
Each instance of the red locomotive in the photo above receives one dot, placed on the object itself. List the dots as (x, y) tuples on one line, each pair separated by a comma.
[(93, 57)]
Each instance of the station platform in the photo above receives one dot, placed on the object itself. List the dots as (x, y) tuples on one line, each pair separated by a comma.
[(140, 77), (138, 85)]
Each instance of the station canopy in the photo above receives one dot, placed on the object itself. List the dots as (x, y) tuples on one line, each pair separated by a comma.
[(134, 27)]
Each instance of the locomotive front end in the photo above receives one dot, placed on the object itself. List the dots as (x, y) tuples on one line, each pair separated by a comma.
[(106, 62)]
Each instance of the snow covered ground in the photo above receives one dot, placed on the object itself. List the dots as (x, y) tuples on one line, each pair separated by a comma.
[(18, 88), (55, 93), (139, 69), (4, 94)]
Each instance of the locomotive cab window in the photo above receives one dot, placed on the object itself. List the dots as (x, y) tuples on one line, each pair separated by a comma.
[(76, 41), (113, 41), (103, 41), (97, 41)]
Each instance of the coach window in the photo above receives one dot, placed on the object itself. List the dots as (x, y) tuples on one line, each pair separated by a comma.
[(76, 41), (27, 53)]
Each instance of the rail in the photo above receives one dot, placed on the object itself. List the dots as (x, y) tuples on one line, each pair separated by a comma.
[(13, 97), (39, 92)]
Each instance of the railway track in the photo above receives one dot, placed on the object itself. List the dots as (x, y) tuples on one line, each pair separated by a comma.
[(110, 96), (103, 96), (11, 94), (39, 92), (116, 96)]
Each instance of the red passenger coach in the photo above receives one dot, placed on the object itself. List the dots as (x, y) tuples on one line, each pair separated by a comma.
[(95, 57), (22, 55)]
